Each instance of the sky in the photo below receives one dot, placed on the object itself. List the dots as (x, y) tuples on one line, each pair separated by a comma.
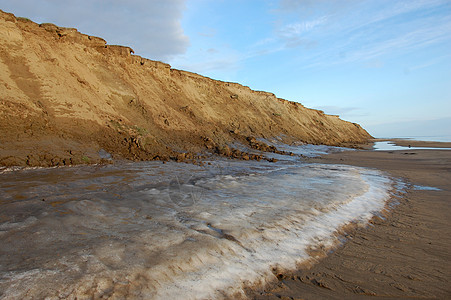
[(385, 64)]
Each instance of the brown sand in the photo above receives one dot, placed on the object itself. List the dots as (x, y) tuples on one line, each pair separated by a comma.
[(407, 255)]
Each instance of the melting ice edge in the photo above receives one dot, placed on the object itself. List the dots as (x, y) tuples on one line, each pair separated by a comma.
[(148, 230)]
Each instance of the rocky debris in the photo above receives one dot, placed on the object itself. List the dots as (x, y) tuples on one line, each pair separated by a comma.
[(227, 151), (261, 146), (209, 143)]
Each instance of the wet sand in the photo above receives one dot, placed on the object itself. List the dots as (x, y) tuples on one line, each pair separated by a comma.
[(405, 255)]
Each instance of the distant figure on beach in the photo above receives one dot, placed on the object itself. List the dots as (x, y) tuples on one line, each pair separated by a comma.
[(409, 146)]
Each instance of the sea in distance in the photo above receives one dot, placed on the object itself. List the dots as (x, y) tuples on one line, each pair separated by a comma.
[(427, 138), (175, 231)]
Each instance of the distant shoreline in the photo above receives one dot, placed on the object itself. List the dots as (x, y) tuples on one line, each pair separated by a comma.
[(410, 142), (437, 139)]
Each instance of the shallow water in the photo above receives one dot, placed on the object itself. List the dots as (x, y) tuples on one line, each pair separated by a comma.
[(168, 231), (430, 138), (425, 188), (389, 146)]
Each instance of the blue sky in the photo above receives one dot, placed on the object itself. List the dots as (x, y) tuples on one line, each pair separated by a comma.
[(385, 64)]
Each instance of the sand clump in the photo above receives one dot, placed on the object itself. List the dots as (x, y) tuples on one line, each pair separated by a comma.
[(65, 96)]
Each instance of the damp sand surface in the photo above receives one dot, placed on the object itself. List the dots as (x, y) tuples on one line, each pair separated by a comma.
[(169, 231), (406, 254)]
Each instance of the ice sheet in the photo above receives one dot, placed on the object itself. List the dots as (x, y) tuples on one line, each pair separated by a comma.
[(160, 231)]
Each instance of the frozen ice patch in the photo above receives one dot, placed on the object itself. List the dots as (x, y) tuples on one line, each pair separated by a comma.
[(425, 188), (161, 231)]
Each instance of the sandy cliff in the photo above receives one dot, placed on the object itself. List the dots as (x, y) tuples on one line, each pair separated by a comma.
[(66, 95)]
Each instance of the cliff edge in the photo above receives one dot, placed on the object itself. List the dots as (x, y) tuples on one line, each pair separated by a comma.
[(65, 96)]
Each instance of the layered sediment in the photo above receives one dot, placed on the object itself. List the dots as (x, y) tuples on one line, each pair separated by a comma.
[(65, 96)]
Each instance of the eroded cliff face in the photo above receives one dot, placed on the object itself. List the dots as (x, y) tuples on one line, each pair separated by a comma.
[(65, 95)]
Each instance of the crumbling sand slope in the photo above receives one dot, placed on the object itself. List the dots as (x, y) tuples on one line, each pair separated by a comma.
[(66, 95)]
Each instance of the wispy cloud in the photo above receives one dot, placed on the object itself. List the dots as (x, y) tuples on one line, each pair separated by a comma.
[(293, 34), (426, 64), (403, 42), (298, 28), (382, 10), (366, 30), (320, 34)]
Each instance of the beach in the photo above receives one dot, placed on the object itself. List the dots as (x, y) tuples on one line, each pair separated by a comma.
[(347, 224), (405, 253), (123, 177), (153, 230)]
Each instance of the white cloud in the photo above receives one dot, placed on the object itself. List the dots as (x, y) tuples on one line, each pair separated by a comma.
[(151, 27)]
